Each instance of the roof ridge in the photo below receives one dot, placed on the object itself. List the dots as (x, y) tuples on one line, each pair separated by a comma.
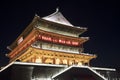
[(58, 18), (57, 10)]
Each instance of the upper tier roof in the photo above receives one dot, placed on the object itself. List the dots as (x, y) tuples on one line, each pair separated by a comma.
[(54, 19), (58, 18)]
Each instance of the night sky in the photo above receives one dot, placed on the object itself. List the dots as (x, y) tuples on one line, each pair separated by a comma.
[(102, 18)]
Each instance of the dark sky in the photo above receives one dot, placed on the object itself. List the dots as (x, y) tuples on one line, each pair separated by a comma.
[(102, 18)]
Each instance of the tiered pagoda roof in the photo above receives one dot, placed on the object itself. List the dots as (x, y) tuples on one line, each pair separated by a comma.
[(54, 29), (56, 19), (54, 63)]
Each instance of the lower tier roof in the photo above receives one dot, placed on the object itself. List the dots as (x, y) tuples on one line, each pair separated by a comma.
[(25, 71)]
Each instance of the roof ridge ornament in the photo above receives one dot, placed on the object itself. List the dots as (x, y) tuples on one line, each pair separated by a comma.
[(57, 17), (57, 9), (36, 15)]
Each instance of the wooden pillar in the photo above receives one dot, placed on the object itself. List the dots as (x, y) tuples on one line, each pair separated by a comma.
[(74, 62), (54, 60), (67, 61), (34, 59), (43, 59), (88, 63)]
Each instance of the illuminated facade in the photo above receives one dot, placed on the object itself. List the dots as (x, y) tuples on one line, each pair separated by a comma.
[(50, 49), (51, 40)]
